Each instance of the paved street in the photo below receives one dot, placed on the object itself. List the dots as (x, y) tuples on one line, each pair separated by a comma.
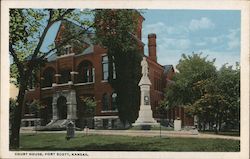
[(146, 133)]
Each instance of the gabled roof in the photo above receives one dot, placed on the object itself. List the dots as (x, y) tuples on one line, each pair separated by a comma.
[(168, 68), (86, 38), (73, 26)]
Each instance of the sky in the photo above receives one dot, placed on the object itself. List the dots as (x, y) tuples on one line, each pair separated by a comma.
[(215, 33)]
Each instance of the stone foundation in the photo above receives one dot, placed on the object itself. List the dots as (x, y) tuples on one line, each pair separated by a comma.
[(107, 122), (32, 122)]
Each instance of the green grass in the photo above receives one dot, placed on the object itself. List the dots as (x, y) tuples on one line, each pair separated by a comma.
[(56, 142), (228, 133)]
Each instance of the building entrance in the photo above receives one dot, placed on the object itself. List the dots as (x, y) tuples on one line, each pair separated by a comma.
[(62, 107)]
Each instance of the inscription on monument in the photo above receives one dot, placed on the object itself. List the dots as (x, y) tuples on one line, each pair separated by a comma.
[(146, 100)]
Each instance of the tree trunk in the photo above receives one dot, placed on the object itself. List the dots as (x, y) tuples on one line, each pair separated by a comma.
[(16, 123), (216, 126), (204, 126), (217, 118), (219, 124)]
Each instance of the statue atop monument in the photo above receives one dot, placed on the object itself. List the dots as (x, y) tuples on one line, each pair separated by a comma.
[(144, 66)]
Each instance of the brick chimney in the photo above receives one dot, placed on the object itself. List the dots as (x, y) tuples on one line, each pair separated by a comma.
[(152, 46)]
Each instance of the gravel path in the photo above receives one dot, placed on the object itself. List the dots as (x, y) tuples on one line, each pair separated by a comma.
[(146, 133)]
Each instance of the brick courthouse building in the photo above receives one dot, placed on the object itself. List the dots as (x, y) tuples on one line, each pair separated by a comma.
[(67, 79)]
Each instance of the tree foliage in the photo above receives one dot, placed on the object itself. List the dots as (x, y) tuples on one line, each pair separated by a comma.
[(90, 105), (191, 69), (115, 30), (213, 95), (163, 107)]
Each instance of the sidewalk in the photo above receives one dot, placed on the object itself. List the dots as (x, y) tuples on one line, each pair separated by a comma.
[(146, 133)]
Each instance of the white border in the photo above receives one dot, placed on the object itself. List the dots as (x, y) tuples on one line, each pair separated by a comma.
[(142, 4)]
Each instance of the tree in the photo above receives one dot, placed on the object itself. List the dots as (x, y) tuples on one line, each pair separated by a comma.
[(212, 95), (28, 29), (184, 91), (228, 83), (12, 105), (163, 108), (209, 108), (191, 69), (86, 111), (115, 30), (90, 105), (220, 102)]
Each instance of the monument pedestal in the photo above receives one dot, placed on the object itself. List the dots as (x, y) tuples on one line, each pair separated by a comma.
[(145, 118)]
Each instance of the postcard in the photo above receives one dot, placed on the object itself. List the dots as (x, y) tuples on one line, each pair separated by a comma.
[(125, 79)]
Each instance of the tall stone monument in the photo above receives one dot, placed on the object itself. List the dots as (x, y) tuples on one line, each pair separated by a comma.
[(145, 114)]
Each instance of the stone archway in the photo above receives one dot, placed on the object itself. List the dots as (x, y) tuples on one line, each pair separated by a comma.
[(62, 107)]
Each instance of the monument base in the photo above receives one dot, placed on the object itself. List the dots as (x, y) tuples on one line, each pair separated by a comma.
[(145, 119)]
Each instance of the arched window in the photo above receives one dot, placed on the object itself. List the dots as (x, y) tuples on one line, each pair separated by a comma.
[(114, 101), (48, 75), (85, 70), (105, 101)]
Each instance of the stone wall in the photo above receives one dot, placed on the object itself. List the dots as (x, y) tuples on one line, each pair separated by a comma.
[(108, 122)]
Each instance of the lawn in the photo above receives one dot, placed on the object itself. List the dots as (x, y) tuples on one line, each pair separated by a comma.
[(228, 133), (56, 141)]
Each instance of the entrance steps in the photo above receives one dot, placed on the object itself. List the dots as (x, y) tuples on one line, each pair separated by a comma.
[(171, 124), (54, 125), (57, 123)]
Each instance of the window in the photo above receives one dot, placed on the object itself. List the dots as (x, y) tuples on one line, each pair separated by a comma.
[(32, 80), (105, 123), (32, 123), (86, 73), (114, 73), (114, 103), (105, 102), (27, 108), (105, 69), (67, 49), (155, 84), (158, 82), (65, 76), (48, 76), (159, 85)]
